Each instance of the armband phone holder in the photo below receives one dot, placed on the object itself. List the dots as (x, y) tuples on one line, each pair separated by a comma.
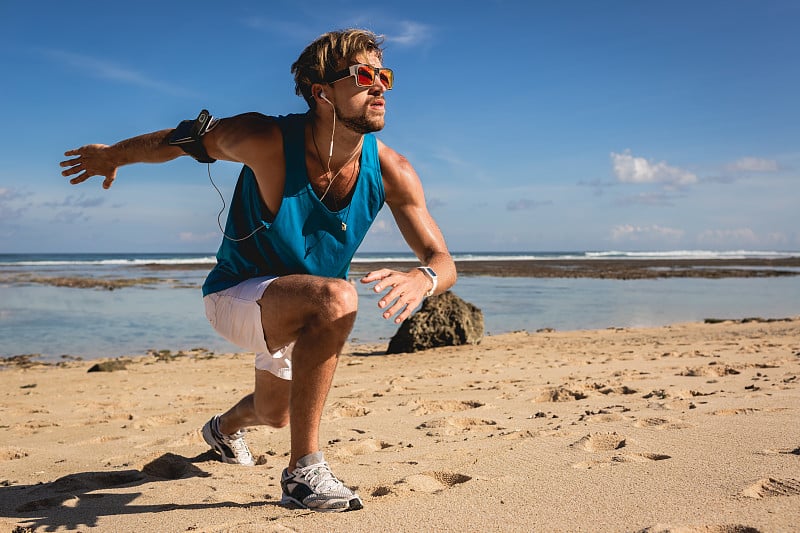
[(189, 136)]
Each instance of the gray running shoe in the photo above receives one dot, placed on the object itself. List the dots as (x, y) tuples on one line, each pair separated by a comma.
[(313, 486), (232, 448)]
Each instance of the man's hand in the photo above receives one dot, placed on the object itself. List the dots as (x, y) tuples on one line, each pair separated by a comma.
[(408, 289), (91, 160)]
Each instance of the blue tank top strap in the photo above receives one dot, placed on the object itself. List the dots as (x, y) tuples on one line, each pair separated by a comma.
[(369, 152)]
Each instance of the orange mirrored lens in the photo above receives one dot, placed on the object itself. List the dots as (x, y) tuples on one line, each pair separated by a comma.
[(387, 78), (365, 76)]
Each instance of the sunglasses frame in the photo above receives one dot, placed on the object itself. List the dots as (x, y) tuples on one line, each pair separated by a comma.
[(352, 70)]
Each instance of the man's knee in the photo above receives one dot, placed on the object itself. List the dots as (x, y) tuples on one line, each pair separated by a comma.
[(338, 299)]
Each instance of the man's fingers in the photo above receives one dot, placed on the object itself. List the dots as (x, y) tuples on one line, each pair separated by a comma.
[(80, 179), (394, 309), (71, 171), (376, 275), (405, 314), (402, 306)]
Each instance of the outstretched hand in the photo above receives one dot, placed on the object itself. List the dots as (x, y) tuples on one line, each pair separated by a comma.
[(408, 289), (91, 160)]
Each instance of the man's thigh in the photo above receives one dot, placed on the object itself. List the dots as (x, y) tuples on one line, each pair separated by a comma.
[(290, 302)]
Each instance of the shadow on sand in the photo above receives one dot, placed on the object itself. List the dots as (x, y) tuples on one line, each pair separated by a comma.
[(70, 502)]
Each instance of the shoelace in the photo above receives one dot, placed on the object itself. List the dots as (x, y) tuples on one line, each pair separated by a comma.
[(237, 443), (320, 478)]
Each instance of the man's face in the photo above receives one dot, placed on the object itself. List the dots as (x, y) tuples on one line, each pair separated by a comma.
[(361, 109)]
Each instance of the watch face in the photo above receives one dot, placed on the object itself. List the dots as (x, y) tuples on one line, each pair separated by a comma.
[(429, 271)]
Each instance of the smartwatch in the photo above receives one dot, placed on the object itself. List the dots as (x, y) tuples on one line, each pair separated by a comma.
[(428, 271)]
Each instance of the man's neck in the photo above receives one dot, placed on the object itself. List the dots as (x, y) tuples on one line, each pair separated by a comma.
[(339, 148)]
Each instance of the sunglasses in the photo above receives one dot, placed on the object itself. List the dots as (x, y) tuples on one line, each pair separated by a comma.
[(365, 75)]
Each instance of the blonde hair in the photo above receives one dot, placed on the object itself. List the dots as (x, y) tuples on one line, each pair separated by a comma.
[(329, 53)]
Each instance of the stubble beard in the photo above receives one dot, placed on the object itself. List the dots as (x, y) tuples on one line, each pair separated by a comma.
[(362, 124)]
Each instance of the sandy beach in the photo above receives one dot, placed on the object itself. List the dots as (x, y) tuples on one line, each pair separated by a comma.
[(686, 428)]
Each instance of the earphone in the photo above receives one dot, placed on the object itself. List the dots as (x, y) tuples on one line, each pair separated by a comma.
[(330, 152)]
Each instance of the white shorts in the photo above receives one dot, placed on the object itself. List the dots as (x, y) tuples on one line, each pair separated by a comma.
[(235, 314)]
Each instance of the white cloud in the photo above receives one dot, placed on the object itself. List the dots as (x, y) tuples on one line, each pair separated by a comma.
[(77, 201), (753, 164), (6, 194), (630, 169), (435, 203), (382, 227), (7, 198), (628, 232), (110, 71), (411, 34), (188, 236)]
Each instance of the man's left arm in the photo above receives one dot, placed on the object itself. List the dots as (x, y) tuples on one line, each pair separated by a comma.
[(406, 198)]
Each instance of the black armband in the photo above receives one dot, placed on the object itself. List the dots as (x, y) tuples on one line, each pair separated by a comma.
[(189, 136)]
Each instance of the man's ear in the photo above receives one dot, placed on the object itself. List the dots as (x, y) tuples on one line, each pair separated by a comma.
[(317, 92)]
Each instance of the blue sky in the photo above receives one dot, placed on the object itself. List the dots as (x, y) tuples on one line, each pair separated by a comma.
[(615, 125)]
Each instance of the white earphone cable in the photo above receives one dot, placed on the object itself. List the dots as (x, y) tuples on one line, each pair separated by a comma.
[(219, 215)]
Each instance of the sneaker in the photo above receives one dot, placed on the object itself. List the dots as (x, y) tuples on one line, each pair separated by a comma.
[(313, 486), (232, 448)]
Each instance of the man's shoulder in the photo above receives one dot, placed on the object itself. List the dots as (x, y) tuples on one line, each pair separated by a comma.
[(255, 127), (391, 159)]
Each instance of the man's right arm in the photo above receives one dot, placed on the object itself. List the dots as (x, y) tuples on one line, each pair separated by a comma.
[(238, 138), (102, 160)]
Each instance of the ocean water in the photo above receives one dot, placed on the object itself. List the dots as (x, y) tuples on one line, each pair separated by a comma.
[(91, 323)]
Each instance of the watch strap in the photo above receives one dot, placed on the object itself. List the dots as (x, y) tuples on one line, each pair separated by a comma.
[(431, 274)]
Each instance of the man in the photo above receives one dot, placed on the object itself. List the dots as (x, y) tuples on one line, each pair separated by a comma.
[(310, 187)]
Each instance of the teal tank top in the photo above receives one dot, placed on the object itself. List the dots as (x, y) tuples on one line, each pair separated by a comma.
[(304, 237)]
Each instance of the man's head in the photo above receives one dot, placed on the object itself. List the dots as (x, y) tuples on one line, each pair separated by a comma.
[(330, 53)]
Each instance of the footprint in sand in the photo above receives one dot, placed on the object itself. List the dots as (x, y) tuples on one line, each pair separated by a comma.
[(622, 458), (601, 417), (661, 423), (721, 528), (766, 487), (601, 442), (733, 412), (782, 451), (559, 394), (608, 388), (11, 453), (361, 447), (158, 421), (346, 410), (439, 406), (454, 426), (432, 482), (639, 457), (100, 439), (711, 370)]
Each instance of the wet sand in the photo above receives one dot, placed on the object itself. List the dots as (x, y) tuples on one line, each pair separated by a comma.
[(542, 268)]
